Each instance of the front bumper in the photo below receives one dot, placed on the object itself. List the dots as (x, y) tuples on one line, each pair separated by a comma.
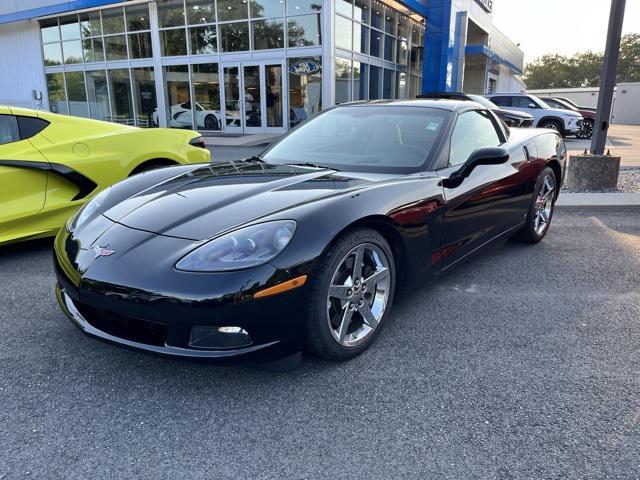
[(164, 323)]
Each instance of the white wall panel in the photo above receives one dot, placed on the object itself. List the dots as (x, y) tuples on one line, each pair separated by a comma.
[(21, 64)]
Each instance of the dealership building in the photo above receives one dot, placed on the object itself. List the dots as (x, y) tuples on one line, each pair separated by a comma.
[(244, 66)]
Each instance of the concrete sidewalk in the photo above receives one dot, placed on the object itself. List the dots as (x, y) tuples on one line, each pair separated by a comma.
[(615, 200), (623, 141)]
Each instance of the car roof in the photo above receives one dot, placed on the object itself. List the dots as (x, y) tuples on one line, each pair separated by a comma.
[(513, 94), (441, 103)]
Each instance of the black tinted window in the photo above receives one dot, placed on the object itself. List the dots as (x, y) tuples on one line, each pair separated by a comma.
[(30, 126), (521, 102), (8, 129), (502, 101), (473, 130)]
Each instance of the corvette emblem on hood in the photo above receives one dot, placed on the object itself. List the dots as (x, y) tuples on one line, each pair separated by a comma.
[(99, 251)]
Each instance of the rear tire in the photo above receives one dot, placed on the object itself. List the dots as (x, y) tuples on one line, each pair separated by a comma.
[(541, 207), (348, 305)]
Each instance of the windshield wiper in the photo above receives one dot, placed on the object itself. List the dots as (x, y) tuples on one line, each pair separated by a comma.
[(255, 158), (309, 164)]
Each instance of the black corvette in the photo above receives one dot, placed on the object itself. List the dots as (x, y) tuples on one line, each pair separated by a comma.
[(305, 246)]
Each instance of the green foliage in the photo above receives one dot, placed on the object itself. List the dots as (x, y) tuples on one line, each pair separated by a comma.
[(583, 69)]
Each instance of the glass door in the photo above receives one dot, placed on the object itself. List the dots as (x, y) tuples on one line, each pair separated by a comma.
[(253, 97), (232, 104), (252, 120)]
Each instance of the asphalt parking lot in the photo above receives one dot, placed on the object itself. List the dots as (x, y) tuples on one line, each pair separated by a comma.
[(522, 364)]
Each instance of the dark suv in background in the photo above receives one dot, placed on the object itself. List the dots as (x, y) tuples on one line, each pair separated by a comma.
[(512, 118)]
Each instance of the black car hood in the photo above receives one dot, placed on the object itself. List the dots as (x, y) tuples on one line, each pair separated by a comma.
[(212, 199)]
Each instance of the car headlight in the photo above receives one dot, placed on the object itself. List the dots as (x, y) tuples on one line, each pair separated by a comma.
[(88, 210), (244, 248)]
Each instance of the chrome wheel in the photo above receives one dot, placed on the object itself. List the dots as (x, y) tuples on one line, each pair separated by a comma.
[(551, 126), (358, 294), (544, 204)]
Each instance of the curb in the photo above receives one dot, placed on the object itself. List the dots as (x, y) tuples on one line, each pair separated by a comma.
[(599, 201)]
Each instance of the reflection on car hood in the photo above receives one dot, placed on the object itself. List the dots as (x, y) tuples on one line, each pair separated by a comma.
[(212, 199), (514, 113)]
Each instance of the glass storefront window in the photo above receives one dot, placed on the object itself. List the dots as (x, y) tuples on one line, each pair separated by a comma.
[(274, 95), (200, 11), (70, 28), (343, 80), (206, 91), (360, 38), (376, 43), (344, 7), (375, 82), (72, 51), (77, 94), (204, 40), (389, 84), (266, 8), (144, 95), (174, 42), (137, 17), (170, 13), (361, 10), (403, 52), (305, 91), (389, 48), (377, 15), (304, 30), (232, 10), (93, 50), (140, 45), (178, 96), (344, 33), (98, 95), (52, 54), (120, 90), (234, 37), (49, 30), (297, 7), (360, 81), (116, 47), (113, 20), (390, 21), (267, 34), (57, 95), (90, 24), (402, 85)]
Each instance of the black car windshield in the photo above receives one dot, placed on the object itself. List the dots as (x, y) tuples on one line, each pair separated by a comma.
[(365, 138)]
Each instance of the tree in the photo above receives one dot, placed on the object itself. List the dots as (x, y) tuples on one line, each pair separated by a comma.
[(583, 69)]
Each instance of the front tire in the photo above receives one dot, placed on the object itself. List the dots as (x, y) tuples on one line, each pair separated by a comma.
[(553, 125), (351, 294), (211, 123), (541, 208)]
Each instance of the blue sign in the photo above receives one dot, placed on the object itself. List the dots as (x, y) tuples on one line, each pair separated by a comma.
[(306, 67)]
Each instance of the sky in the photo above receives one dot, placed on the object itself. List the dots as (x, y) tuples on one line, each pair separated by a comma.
[(560, 26)]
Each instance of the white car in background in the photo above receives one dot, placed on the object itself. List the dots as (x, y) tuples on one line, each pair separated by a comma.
[(206, 117), (567, 122)]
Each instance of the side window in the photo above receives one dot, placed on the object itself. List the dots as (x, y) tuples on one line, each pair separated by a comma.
[(502, 101), (522, 102), (30, 126), (8, 129), (473, 130)]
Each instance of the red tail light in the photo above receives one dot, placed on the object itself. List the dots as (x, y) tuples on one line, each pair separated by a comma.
[(198, 142)]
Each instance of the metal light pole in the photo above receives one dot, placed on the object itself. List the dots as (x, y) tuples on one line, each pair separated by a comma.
[(608, 82)]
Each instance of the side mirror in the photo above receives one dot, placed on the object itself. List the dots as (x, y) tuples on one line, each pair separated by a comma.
[(481, 156), (532, 105)]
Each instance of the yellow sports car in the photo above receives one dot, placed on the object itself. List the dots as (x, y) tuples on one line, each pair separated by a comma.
[(50, 164)]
